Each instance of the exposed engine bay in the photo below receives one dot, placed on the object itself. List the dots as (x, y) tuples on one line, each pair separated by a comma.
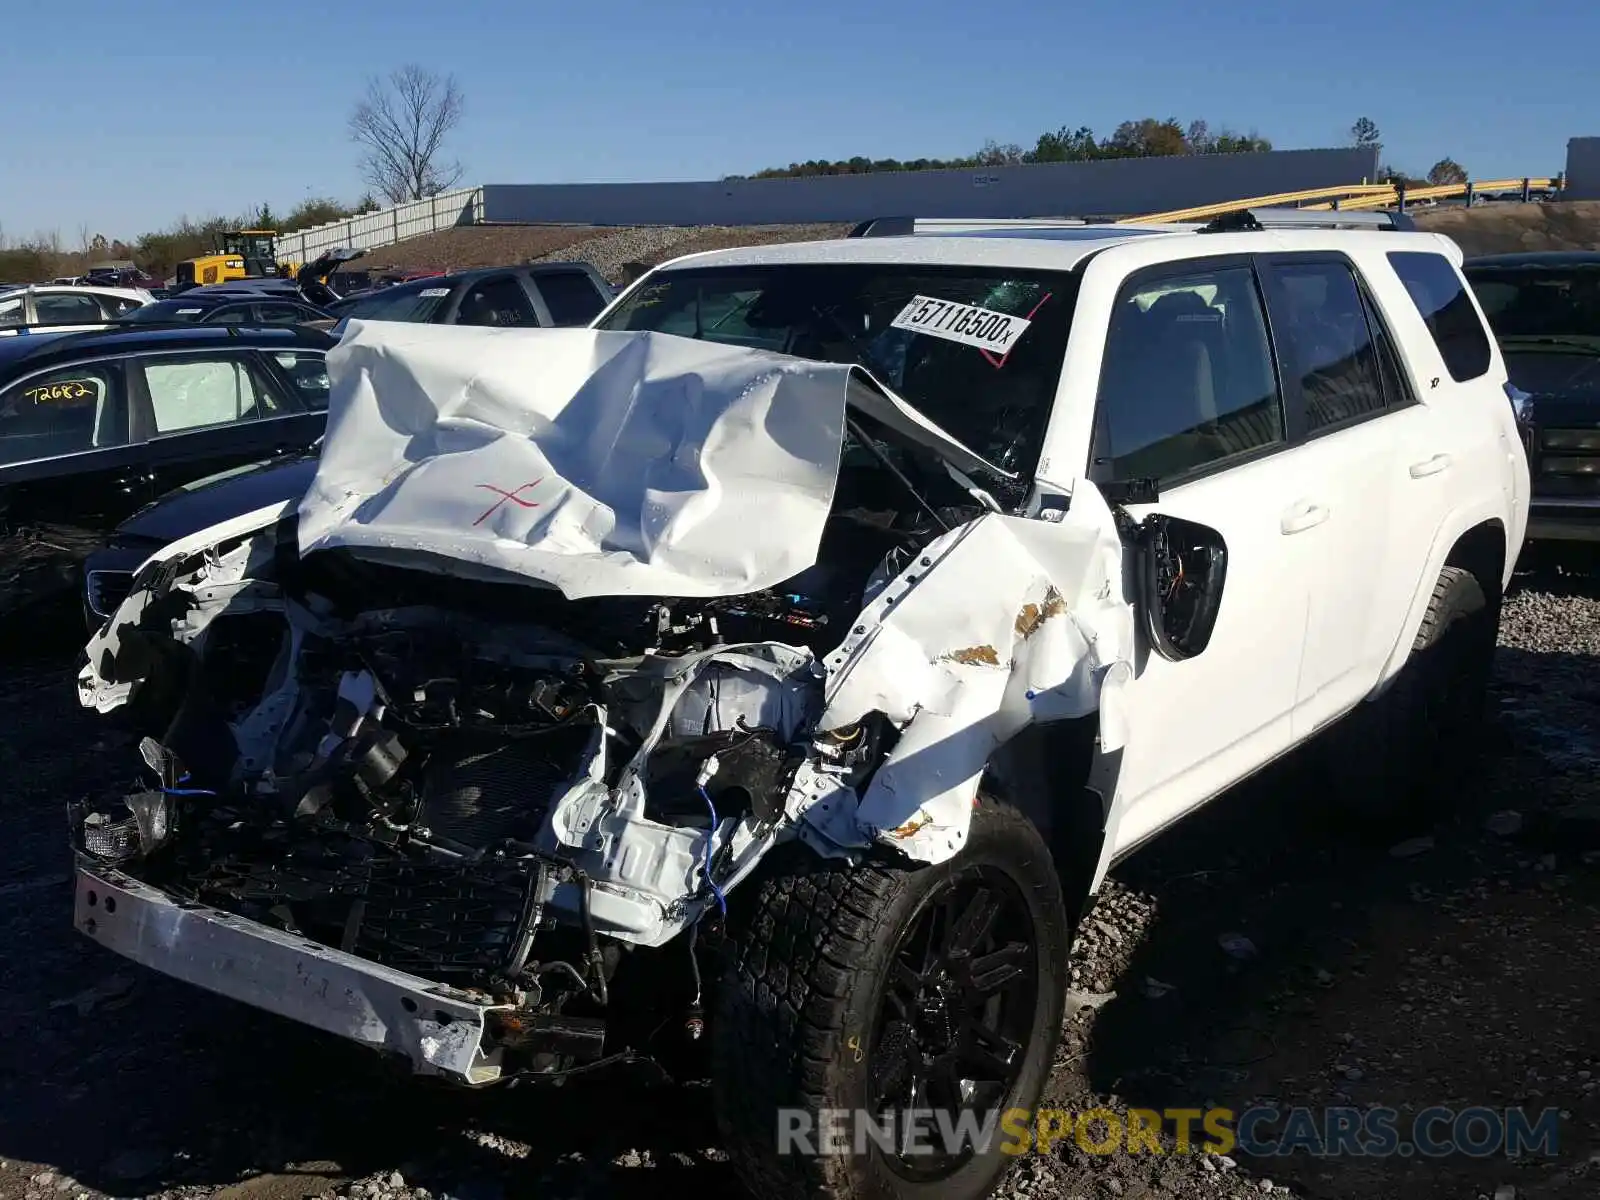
[(481, 781)]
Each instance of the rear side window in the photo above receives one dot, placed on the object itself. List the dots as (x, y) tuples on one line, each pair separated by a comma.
[(571, 297), (1441, 298), (1329, 342), (66, 411)]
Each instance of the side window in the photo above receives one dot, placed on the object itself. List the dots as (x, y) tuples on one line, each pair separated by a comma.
[(284, 314), (10, 311), (498, 301), (308, 372), (65, 411), (68, 309), (1188, 378), (196, 391), (230, 314), (570, 296), (1436, 288), (1327, 342), (117, 306)]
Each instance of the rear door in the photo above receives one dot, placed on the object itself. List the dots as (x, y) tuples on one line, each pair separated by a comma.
[(205, 411), (1344, 405)]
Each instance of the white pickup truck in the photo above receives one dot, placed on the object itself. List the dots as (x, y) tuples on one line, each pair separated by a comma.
[(819, 627)]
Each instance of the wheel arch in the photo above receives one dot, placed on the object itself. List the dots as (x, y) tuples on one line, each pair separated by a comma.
[(1048, 774), (1477, 542)]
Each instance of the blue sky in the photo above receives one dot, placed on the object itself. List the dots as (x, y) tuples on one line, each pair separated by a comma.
[(125, 116)]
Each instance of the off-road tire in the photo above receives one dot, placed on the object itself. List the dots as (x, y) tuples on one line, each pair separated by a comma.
[(1402, 757), (791, 1022)]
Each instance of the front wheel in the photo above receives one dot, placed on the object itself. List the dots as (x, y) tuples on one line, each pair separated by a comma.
[(876, 1023)]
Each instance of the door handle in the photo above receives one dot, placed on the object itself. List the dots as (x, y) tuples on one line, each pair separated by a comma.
[(1303, 516), (1432, 466)]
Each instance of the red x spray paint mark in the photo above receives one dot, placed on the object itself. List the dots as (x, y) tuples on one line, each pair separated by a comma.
[(515, 496), (999, 362)]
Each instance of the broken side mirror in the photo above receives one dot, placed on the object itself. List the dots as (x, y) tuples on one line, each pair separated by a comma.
[(1181, 567)]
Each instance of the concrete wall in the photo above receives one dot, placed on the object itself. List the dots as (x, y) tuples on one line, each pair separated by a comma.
[(1116, 187), (1583, 169)]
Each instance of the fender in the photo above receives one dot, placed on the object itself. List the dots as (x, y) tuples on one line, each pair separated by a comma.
[(1455, 525)]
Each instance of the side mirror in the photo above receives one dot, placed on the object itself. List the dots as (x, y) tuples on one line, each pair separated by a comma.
[(1181, 567)]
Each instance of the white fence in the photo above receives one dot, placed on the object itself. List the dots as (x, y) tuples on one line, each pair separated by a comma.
[(463, 206)]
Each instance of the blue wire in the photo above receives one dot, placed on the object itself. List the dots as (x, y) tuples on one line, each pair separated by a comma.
[(187, 791), (711, 883)]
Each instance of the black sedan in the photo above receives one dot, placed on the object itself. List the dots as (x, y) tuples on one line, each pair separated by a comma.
[(200, 307), (536, 294), (1544, 309), (93, 426)]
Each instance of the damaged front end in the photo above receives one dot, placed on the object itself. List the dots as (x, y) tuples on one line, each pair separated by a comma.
[(437, 778)]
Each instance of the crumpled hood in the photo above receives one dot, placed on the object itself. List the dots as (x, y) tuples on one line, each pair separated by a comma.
[(602, 463)]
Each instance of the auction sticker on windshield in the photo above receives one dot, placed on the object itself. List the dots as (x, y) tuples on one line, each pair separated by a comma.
[(965, 323), (434, 293)]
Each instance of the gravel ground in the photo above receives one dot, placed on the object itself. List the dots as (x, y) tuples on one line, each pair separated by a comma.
[(1266, 951)]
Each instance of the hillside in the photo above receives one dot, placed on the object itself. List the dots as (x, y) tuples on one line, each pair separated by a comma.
[(1484, 229), (1501, 227)]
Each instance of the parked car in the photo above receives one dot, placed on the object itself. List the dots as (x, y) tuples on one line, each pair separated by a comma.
[(208, 306), (539, 294), (93, 426), (804, 640), (59, 309), (1544, 308)]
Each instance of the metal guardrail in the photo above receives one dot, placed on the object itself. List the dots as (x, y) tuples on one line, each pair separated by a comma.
[(1352, 197)]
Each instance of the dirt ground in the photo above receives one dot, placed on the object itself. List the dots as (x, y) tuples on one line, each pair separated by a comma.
[(1267, 950), (1484, 229)]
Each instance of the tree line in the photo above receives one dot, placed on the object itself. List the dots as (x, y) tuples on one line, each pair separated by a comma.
[(1147, 137)]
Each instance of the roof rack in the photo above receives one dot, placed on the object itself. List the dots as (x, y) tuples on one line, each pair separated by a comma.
[(910, 226), (1242, 220)]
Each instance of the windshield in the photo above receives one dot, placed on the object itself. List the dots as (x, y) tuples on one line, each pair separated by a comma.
[(977, 351), (1547, 323), (1540, 303), (408, 302)]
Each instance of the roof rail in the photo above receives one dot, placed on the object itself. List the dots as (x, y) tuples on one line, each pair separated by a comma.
[(1244, 219), (909, 226)]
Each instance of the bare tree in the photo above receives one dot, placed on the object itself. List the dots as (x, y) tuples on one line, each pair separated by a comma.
[(402, 125)]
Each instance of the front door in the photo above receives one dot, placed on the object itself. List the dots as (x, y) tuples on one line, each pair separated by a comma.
[(67, 475), (1189, 396)]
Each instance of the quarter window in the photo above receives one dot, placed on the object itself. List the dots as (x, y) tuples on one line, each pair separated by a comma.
[(1188, 378), (1328, 341), (1436, 288), (61, 412)]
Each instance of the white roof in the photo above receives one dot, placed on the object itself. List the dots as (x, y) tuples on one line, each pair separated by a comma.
[(1054, 248), (58, 289)]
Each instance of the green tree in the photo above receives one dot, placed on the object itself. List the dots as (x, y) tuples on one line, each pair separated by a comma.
[(1447, 170), (1365, 133)]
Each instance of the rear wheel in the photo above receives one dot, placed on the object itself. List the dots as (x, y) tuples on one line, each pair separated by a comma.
[(877, 992), (1401, 757)]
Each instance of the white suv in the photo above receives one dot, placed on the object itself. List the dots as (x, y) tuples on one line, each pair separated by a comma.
[(819, 626)]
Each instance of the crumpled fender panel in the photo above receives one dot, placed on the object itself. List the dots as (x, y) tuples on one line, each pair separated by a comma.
[(1000, 623)]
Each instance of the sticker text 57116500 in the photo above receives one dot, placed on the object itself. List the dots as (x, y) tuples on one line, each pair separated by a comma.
[(965, 323)]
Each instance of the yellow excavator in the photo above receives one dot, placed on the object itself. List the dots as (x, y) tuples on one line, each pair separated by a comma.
[(240, 254)]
